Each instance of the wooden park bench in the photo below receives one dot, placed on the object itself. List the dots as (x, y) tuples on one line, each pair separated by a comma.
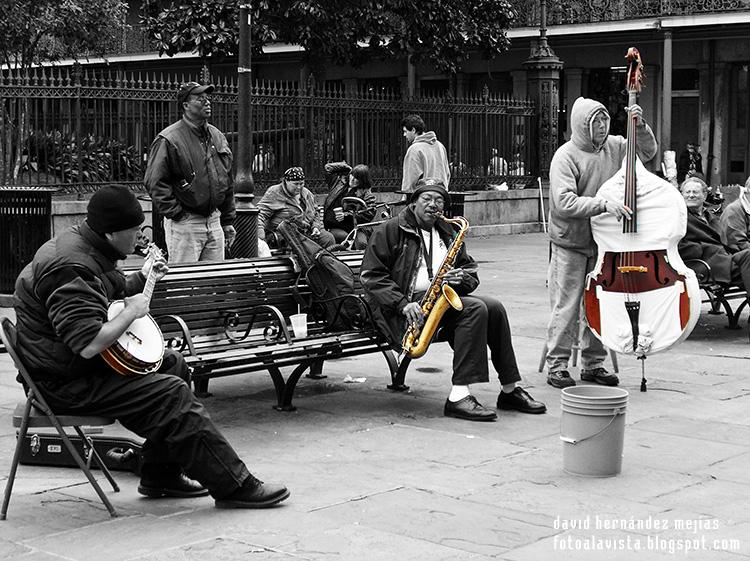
[(232, 317), (718, 294)]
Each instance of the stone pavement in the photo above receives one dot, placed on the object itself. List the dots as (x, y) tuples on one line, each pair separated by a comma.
[(381, 476)]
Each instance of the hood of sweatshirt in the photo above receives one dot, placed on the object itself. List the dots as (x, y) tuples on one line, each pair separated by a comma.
[(428, 136), (581, 115)]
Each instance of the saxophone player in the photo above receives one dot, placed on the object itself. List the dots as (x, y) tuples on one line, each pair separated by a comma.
[(401, 260)]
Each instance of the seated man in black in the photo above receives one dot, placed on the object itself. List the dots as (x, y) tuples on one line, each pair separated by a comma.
[(61, 302), (702, 239), (401, 259)]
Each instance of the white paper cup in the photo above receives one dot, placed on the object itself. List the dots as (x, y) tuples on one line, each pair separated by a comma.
[(299, 325)]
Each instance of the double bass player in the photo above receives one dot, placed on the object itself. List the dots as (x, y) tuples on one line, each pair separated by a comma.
[(400, 262), (579, 167)]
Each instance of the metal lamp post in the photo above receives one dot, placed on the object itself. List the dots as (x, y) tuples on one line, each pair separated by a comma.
[(246, 223), (543, 77)]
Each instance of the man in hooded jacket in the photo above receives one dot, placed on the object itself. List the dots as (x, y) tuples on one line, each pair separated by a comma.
[(578, 169), (426, 156)]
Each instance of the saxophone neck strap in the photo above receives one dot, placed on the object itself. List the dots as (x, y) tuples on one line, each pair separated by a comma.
[(427, 251)]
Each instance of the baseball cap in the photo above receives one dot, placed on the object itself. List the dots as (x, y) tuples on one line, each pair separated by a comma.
[(192, 88)]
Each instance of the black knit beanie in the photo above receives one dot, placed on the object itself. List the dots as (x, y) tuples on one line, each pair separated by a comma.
[(114, 208)]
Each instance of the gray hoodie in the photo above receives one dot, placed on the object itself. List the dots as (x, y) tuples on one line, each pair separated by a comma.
[(425, 158), (577, 171)]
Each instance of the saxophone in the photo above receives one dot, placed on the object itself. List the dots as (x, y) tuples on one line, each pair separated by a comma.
[(437, 298)]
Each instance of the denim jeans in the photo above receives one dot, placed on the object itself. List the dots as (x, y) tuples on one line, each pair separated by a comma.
[(567, 277), (194, 238)]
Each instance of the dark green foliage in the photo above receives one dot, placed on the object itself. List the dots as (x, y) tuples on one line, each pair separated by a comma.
[(440, 33), (34, 31), (93, 160)]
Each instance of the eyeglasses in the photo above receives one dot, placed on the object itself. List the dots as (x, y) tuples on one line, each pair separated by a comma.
[(202, 99), (427, 199)]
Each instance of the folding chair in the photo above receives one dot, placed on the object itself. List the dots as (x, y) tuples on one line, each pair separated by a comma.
[(34, 412)]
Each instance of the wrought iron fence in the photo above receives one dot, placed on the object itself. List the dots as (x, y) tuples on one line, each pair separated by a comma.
[(593, 11), (77, 130)]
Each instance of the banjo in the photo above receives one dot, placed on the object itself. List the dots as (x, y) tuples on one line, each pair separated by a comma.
[(140, 349)]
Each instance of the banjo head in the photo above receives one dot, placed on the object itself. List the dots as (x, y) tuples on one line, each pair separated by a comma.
[(142, 342)]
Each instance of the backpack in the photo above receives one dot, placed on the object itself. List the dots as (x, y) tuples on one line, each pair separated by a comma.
[(328, 279)]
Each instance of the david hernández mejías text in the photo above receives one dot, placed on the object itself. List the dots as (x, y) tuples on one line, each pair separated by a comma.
[(597, 522)]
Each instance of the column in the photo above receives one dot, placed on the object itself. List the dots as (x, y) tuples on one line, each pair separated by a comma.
[(666, 113), (543, 72)]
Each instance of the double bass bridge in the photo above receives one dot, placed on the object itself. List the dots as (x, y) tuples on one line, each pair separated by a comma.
[(632, 269)]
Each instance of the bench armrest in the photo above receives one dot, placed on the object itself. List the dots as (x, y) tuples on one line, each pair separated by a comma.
[(702, 270), (271, 332), (187, 338)]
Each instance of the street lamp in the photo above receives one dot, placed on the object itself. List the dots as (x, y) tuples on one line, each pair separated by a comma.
[(246, 223)]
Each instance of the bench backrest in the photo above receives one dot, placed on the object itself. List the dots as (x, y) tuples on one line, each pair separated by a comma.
[(203, 294)]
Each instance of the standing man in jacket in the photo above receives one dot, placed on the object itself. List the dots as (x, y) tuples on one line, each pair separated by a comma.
[(189, 177), (399, 265), (426, 156), (579, 167)]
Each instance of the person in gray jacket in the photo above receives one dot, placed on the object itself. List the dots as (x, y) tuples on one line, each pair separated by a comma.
[(189, 177), (426, 156), (579, 167)]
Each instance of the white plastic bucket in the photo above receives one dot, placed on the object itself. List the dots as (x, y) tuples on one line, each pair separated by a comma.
[(592, 429)]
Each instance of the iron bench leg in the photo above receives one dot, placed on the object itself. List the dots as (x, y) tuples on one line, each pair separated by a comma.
[(397, 384)]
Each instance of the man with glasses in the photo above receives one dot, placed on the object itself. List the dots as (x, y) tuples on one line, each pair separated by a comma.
[(189, 177), (400, 262)]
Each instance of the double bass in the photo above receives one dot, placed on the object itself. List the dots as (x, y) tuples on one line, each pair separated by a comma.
[(640, 298)]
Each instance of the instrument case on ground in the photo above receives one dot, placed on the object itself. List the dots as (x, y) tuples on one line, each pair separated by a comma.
[(48, 449)]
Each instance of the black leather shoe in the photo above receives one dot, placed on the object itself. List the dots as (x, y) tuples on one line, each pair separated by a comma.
[(599, 376), (520, 400), (177, 485), (468, 408), (254, 494)]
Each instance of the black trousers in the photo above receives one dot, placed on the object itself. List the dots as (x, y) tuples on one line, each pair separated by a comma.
[(482, 324), (162, 409)]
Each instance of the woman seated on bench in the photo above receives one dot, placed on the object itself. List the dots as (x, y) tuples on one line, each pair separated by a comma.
[(703, 241), (345, 181)]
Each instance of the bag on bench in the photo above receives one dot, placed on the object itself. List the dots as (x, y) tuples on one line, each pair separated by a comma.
[(328, 278)]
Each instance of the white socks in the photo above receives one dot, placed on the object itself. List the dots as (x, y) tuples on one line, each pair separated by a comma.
[(458, 393)]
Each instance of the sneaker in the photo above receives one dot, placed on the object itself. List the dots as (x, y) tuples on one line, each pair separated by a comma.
[(560, 379), (254, 494), (599, 376)]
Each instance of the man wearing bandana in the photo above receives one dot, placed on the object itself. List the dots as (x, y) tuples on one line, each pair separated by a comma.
[(291, 200)]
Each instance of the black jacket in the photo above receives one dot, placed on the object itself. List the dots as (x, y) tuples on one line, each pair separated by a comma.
[(61, 302), (390, 266), (702, 241)]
